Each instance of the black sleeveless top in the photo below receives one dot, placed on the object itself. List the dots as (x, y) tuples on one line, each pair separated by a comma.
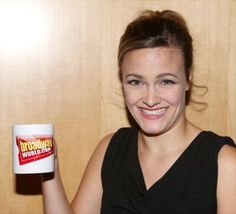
[(188, 187)]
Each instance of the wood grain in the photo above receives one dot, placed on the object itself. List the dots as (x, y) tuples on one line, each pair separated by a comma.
[(71, 80)]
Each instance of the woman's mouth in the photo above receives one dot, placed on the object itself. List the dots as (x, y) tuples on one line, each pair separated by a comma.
[(153, 113)]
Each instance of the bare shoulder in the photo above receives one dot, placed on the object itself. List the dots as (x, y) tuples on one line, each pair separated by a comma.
[(103, 144), (226, 185), (97, 157), (227, 156)]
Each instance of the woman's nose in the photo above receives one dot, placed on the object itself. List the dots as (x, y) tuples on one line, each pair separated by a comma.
[(151, 97)]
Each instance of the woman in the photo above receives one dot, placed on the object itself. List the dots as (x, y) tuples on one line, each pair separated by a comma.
[(165, 164)]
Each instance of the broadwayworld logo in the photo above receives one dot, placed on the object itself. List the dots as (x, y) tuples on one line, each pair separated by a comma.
[(33, 148)]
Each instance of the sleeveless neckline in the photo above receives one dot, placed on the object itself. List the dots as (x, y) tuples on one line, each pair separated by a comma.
[(188, 186), (171, 169)]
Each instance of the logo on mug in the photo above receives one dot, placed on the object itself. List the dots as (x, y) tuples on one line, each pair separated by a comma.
[(33, 148)]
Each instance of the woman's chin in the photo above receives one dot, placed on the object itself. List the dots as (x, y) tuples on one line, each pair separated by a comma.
[(151, 131)]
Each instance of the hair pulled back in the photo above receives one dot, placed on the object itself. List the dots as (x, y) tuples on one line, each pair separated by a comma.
[(157, 29)]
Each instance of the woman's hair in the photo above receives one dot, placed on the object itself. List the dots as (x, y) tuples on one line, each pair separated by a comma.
[(157, 29)]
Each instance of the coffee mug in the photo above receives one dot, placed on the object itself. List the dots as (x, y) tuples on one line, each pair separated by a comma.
[(33, 150)]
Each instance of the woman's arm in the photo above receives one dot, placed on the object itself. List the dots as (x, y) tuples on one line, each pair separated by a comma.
[(89, 194), (54, 196), (226, 185)]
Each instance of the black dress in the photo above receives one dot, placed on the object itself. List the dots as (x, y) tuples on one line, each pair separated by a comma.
[(188, 187)]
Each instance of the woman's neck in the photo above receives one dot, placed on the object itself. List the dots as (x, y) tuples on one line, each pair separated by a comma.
[(174, 139)]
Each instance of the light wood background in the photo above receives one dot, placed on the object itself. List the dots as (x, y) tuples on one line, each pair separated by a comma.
[(70, 79)]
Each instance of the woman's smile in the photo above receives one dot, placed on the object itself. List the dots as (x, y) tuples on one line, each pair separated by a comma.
[(153, 114)]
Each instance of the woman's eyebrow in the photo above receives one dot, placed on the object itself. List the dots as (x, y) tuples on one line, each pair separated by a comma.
[(134, 75), (166, 74), (158, 76)]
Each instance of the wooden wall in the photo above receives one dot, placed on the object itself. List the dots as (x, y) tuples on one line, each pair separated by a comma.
[(69, 78)]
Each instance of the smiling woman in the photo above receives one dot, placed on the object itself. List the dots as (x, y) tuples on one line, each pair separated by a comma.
[(164, 164), (71, 79), (22, 26)]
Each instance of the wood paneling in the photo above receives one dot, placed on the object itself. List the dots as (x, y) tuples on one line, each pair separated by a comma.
[(70, 79)]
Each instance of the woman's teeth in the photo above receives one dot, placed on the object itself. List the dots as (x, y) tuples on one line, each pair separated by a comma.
[(154, 112)]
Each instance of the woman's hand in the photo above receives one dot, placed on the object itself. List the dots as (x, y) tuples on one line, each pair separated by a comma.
[(50, 175)]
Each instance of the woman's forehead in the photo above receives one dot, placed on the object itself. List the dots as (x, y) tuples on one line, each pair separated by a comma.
[(169, 58)]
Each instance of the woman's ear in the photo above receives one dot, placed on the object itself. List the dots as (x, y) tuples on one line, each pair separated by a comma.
[(189, 81)]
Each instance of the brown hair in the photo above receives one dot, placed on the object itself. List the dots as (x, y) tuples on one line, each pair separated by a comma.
[(157, 29)]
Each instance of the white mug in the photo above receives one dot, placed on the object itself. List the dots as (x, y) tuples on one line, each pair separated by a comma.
[(33, 150)]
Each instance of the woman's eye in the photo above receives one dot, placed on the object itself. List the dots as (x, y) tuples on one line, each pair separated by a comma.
[(134, 82), (167, 82)]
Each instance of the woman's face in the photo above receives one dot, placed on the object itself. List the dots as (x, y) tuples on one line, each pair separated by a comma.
[(154, 85)]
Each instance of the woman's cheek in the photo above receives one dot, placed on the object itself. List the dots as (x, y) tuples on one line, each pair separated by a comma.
[(129, 98), (174, 97)]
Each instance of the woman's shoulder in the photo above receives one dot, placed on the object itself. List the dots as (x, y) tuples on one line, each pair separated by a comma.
[(225, 150), (114, 137), (227, 156), (226, 185), (217, 140)]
